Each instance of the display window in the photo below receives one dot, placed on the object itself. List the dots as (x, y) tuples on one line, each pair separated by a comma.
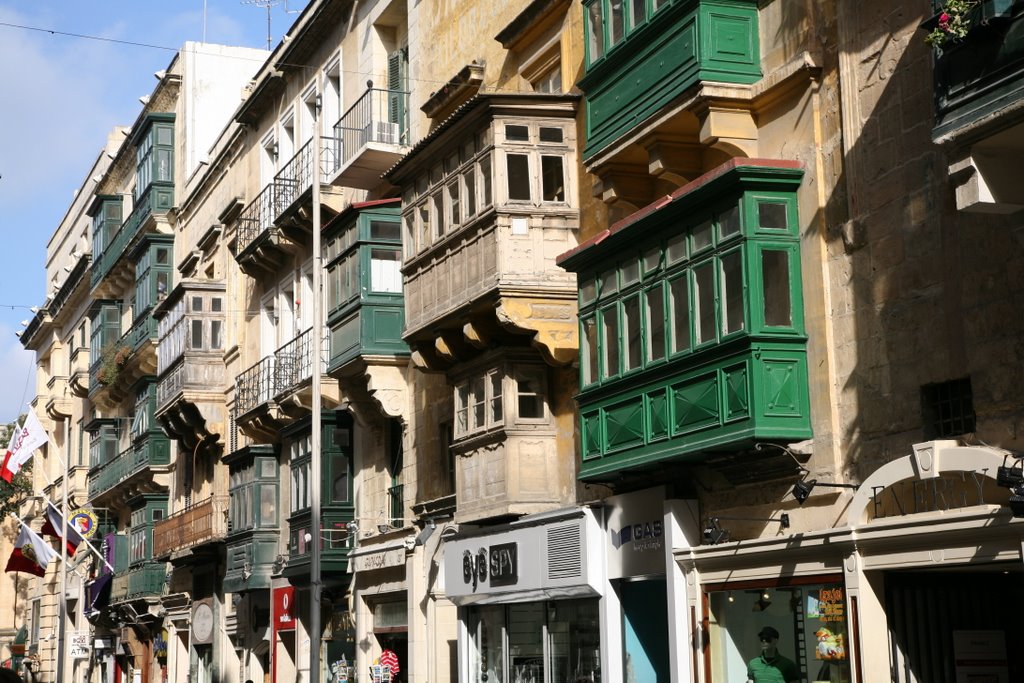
[(770, 632), (535, 642)]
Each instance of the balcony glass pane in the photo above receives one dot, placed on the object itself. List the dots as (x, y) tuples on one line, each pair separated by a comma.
[(339, 479), (655, 307), (595, 28), (702, 236), (631, 338), (485, 182), (518, 168), (704, 296), (610, 340), (386, 270), (454, 204), (639, 12), (732, 294), (516, 133), (589, 364), (772, 215), (462, 409), (530, 395), (679, 296), (552, 179), (778, 308), (616, 18), (496, 398), (268, 505), (478, 397), (469, 192), (385, 230), (729, 222)]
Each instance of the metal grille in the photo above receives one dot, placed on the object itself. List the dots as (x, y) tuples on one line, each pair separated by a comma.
[(948, 408)]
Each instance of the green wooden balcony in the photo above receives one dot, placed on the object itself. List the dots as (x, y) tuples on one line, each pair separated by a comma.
[(691, 324), (154, 449), (641, 59), (147, 580), (157, 199)]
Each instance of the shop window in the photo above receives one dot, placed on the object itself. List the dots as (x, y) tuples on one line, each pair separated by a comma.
[(780, 631), (948, 408)]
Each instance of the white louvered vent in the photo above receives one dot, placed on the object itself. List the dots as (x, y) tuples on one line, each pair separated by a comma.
[(564, 552)]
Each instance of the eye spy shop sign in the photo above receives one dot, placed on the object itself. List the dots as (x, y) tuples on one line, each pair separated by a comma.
[(499, 563)]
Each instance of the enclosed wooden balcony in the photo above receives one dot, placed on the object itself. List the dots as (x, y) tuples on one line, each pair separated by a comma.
[(146, 581), (187, 531), (139, 468)]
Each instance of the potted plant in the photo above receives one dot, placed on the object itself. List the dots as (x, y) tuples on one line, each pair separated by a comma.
[(955, 19)]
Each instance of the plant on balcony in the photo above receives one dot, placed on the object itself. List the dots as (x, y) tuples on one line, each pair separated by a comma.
[(112, 359), (954, 20)]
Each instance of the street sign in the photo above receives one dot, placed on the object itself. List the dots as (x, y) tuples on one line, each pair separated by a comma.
[(79, 645)]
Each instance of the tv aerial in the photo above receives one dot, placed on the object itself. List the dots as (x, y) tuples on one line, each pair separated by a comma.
[(268, 4)]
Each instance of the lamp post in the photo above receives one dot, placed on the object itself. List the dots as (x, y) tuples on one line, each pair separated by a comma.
[(315, 578)]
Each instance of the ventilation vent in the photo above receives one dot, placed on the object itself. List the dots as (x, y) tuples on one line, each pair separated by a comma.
[(233, 431), (564, 552)]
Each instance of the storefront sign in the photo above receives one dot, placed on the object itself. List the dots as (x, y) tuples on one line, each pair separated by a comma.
[(636, 533), (980, 656), (936, 476), (79, 645), (382, 559), (500, 562), (284, 608)]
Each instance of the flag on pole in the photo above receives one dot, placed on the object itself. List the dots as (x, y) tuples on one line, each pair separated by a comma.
[(31, 553), (55, 521), (24, 442)]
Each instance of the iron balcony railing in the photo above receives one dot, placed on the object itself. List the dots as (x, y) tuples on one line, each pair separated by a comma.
[(281, 372), (259, 215), (378, 116), (197, 524)]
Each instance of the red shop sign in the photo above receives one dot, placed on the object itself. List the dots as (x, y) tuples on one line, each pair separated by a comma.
[(284, 608)]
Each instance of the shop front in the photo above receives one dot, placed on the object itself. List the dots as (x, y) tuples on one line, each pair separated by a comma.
[(529, 596), (920, 581), (382, 609)]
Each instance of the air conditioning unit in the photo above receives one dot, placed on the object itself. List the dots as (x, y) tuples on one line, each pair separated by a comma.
[(383, 131)]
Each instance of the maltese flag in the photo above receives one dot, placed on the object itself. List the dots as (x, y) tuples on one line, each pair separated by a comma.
[(24, 441)]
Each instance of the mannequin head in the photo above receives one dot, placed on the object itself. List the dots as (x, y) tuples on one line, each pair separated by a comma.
[(769, 641)]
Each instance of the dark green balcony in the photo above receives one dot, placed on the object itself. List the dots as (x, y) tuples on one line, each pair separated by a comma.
[(148, 580), (253, 518), (133, 462), (692, 333), (158, 199), (643, 54), (366, 308), (980, 76)]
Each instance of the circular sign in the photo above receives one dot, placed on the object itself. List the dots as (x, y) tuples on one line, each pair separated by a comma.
[(84, 521), (202, 622)]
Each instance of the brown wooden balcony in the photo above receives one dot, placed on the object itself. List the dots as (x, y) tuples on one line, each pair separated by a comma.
[(195, 526)]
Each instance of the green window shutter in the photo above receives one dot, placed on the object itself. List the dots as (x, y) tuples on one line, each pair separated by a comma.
[(398, 62)]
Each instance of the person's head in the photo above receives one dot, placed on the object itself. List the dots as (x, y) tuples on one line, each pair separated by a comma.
[(769, 638), (9, 676)]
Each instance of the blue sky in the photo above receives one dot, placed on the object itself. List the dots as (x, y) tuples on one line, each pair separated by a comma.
[(61, 96)]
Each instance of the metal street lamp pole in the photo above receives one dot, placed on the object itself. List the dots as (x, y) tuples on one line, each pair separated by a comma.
[(315, 579)]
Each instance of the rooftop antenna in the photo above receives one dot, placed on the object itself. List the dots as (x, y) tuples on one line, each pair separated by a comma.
[(266, 4)]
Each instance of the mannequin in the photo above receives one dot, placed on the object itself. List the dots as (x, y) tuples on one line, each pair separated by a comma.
[(770, 666)]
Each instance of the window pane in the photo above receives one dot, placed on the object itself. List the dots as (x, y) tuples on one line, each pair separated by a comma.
[(729, 222), (732, 284), (772, 215), (517, 133), (196, 342), (339, 479), (384, 230), (454, 208), (553, 179), (639, 13), (595, 26), (268, 505), (551, 134), (386, 271), (631, 320), (462, 409), (630, 272), (197, 304), (518, 167), (496, 398), (778, 310), (438, 223), (679, 293), (677, 248), (478, 395), (590, 350), (615, 22), (704, 295), (215, 304), (655, 323), (530, 392), (702, 236), (485, 182), (469, 193), (216, 340), (610, 340)]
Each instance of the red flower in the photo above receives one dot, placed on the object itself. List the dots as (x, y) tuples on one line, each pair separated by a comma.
[(943, 20)]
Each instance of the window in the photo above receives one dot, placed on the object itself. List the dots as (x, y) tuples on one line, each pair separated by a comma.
[(588, 364), (386, 270), (610, 341), (550, 81), (654, 309), (948, 408), (518, 168), (595, 31), (631, 338), (300, 456), (536, 162), (145, 403), (480, 400)]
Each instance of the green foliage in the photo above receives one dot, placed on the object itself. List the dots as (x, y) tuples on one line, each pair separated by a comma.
[(954, 22), (113, 356)]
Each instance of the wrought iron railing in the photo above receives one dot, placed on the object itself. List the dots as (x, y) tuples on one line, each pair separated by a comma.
[(290, 365), (195, 525), (259, 215), (378, 116)]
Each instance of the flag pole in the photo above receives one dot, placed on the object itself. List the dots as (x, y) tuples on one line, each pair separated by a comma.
[(63, 601)]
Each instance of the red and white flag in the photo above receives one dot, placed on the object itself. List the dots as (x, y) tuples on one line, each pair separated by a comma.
[(55, 521), (25, 440), (31, 553)]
